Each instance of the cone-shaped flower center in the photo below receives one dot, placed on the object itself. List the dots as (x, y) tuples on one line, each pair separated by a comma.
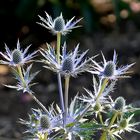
[(67, 65), (44, 122), (17, 56), (123, 123), (109, 69), (59, 24), (119, 103)]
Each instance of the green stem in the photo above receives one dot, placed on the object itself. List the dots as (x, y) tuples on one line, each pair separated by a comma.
[(58, 46), (103, 136), (21, 75), (113, 119), (101, 118), (102, 88), (67, 79)]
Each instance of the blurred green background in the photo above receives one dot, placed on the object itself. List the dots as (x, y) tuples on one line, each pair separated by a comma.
[(19, 17)]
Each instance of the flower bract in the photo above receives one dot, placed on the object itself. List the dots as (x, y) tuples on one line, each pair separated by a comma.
[(17, 56), (58, 24), (109, 69), (71, 63)]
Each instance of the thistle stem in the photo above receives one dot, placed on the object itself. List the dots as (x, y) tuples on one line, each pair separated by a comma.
[(21, 75), (59, 75), (60, 92), (113, 119), (102, 88), (103, 136), (100, 117), (67, 79), (39, 103), (58, 46)]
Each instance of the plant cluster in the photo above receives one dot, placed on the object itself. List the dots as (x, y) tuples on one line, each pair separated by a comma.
[(88, 114)]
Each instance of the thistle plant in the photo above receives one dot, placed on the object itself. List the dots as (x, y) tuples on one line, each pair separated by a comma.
[(89, 113)]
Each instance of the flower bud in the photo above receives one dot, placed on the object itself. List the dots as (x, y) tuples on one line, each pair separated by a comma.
[(119, 103), (123, 123), (44, 122), (67, 65), (109, 69), (97, 107), (17, 56), (59, 24), (108, 108)]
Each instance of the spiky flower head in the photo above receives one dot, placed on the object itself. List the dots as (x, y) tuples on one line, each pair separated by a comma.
[(17, 56), (40, 123), (119, 103), (58, 24), (109, 69), (44, 122), (126, 124), (70, 64), (123, 125)]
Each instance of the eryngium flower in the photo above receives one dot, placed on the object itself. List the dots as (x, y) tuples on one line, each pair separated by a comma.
[(109, 69), (68, 65), (17, 56), (71, 63), (41, 123), (58, 24), (119, 103), (27, 77), (124, 125)]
